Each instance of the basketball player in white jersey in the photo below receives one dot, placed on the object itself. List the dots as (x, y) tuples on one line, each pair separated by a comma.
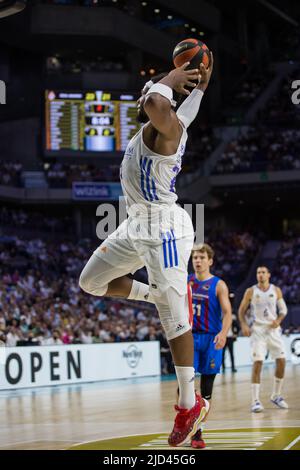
[(268, 309), (158, 233)]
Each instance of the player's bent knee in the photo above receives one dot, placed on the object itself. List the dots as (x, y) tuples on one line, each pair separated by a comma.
[(173, 325), (173, 313), (86, 284), (83, 282)]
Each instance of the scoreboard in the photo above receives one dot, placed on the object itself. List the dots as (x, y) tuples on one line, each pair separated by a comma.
[(91, 121)]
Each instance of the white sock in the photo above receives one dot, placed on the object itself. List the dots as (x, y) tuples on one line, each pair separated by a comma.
[(255, 392), (277, 387), (186, 382), (140, 291)]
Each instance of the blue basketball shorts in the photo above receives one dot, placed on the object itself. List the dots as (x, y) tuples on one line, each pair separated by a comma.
[(207, 359)]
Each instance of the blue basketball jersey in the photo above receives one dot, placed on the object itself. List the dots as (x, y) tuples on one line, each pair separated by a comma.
[(206, 306)]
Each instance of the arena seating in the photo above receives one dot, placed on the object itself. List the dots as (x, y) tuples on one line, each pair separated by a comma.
[(287, 269), (10, 173), (280, 110), (261, 149)]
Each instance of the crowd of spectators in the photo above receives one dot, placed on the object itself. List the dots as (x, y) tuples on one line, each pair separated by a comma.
[(280, 110), (286, 273), (286, 42), (40, 299), (199, 147), (24, 220), (274, 143), (291, 329), (250, 89), (261, 149), (61, 175), (234, 252), (10, 173), (58, 64), (242, 95), (41, 302)]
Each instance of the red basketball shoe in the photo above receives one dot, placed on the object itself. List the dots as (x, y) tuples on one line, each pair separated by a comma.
[(197, 441), (187, 421)]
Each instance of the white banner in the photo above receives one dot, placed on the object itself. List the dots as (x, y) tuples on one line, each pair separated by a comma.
[(242, 356), (23, 367)]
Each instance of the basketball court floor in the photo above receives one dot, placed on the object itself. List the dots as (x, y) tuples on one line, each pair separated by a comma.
[(138, 414)]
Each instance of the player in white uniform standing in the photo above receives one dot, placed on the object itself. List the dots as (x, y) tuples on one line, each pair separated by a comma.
[(158, 233), (265, 300)]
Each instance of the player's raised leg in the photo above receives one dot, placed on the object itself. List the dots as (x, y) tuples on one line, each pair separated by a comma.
[(105, 273), (102, 279)]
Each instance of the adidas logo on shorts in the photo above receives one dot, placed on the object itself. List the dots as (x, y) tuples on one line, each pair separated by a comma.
[(179, 327)]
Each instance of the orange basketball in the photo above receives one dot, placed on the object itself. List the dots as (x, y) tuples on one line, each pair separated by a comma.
[(193, 51)]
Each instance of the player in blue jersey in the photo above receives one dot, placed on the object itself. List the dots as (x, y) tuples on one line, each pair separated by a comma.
[(212, 318)]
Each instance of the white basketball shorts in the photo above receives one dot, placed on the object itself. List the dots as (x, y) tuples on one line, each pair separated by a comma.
[(264, 339), (165, 255)]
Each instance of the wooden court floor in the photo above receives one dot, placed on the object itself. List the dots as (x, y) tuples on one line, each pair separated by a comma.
[(138, 414)]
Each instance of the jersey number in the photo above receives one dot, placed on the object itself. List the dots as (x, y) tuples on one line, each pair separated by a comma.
[(197, 310)]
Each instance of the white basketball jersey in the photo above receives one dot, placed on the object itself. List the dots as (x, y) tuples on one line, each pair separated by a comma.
[(264, 305), (147, 178)]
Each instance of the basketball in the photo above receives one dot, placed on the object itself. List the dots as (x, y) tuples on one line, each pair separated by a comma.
[(193, 51)]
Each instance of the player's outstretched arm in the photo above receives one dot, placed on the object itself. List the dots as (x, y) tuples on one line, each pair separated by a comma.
[(223, 296), (189, 109), (242, 311), (159, 99)]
